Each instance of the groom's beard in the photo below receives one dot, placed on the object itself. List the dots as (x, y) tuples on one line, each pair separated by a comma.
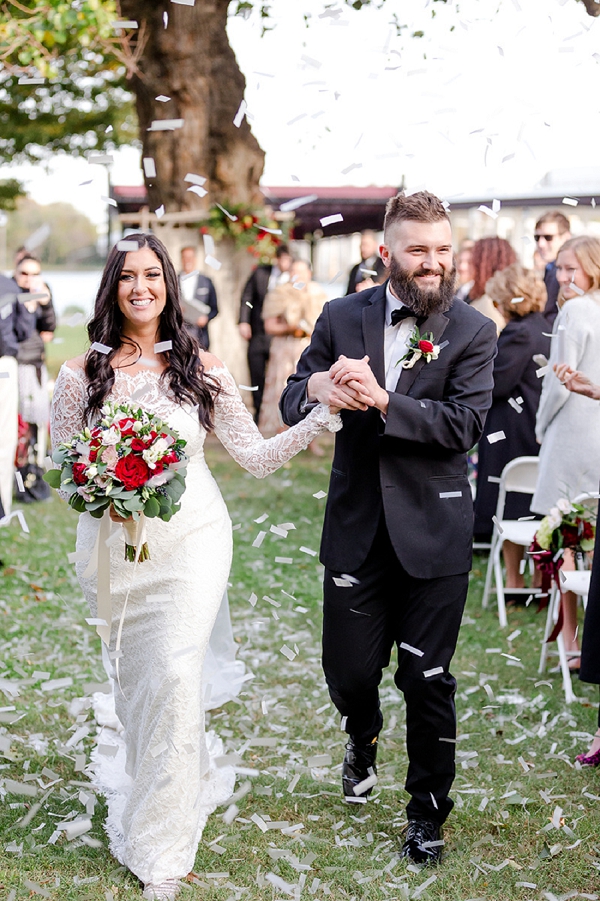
[(422, 302)]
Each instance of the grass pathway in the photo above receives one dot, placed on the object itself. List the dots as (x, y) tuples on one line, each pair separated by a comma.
[(526, 822)]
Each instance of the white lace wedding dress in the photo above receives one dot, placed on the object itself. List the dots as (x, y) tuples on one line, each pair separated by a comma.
[(162, 786)]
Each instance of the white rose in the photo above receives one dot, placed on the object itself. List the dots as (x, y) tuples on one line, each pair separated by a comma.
[(564, 505), (111, 436), (554, 518)]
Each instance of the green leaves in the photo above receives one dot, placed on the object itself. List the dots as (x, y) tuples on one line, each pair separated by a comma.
[(152, 508), (52, 477)]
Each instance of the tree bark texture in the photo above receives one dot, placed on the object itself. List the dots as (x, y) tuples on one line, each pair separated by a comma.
[(191, 62)]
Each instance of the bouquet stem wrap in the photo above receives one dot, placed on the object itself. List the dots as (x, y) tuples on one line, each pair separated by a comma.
[(136, 546)]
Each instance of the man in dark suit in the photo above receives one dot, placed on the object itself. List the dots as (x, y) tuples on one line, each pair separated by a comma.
[(198, 297), (398, 527), (370, 270), (251, 325), (17, 322), (551, 231)]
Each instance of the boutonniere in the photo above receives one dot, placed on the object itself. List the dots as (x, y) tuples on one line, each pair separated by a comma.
[(419, 346)]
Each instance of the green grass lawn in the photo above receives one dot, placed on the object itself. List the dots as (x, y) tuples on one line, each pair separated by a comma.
[(69, 341), (526, 822)]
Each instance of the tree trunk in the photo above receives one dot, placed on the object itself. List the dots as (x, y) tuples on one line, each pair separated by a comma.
[(191, 62)]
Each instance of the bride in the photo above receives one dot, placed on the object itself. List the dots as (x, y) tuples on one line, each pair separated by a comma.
[(162, 789)]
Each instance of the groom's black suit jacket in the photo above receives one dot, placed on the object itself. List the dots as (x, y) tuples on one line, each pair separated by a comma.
[(407, 463)]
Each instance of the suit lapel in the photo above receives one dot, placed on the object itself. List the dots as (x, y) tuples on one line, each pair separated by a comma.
[(373, 322), (436, 324)]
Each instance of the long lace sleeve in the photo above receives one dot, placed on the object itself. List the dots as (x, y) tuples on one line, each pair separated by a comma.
[(237, 431), (68, 403)]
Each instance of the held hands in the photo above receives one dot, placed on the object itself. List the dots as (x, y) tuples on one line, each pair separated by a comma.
[(349, 385), (115, 516), (576, 381)]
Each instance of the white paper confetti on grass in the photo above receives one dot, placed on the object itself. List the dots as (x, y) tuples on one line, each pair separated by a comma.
[(493, 437), (101, 348), (287, 652), (55, 684), (259, 539), (329, 220), (307, 550), (162, 346), (19, 481), (320, 494), (37, 889), (410, 649), (365, 785)]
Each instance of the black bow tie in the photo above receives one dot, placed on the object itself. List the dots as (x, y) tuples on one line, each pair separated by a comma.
[(405, 313)]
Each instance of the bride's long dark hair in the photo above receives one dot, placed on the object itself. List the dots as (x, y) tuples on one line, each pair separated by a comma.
[(184, 374)]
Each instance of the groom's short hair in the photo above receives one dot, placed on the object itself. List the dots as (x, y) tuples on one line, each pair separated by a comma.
[(420, 207)]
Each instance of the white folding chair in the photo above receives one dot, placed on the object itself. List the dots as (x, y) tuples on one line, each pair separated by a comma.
[(577, 581), (520, 476)]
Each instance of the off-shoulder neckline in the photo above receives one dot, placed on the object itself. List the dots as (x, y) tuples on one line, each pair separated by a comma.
[(145, 372)]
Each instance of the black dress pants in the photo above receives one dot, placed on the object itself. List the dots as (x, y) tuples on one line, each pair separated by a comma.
[(360, 625), (258, 357)]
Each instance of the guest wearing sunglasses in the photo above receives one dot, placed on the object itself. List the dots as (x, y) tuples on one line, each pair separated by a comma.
[(551, 231)]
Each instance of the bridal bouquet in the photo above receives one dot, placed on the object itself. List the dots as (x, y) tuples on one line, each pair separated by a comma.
[(130, 459), (567, 526)]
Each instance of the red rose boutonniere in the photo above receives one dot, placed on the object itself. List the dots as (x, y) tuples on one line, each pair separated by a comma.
[(419, 346)]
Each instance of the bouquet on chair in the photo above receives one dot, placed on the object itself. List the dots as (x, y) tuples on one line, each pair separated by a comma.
[(130, 459), (567, 526)]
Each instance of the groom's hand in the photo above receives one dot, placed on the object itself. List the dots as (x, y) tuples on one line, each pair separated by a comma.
[(358, 376), (321, 387)]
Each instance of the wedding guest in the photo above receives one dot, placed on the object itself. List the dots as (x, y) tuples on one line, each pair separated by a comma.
[(290, 312), (569, 435), (489, 255), (198, 297), (34, 404), (15, 326), (551, 231), (464, 268), (579, 383), (520, 297), (251, 323), (159, 801), (398, 531), (361, 275)]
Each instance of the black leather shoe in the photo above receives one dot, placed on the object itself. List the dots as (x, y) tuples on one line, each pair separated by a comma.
[(358, 765), (423, 842)]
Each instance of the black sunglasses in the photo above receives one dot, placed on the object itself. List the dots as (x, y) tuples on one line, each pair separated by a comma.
[(547, 238)]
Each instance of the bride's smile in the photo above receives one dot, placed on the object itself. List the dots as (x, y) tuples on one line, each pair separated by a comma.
[(142, 292)]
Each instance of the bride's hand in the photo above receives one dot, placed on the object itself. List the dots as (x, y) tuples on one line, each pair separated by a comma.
[(116, 517), (334, 410)]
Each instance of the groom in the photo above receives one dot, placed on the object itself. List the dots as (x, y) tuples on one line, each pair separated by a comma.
[(397, 535)]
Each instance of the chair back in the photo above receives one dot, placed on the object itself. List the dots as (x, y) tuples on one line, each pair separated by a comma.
[(520, 475)]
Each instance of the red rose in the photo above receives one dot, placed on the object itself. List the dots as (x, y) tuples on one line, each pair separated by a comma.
[(132, 471), (138, 445), (426, 347), (126, 427), (171, 457), (158, 467), (93, 455), (79, 476)]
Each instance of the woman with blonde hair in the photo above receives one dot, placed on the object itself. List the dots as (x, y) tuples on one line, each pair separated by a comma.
[(519, 296), (569, 436)]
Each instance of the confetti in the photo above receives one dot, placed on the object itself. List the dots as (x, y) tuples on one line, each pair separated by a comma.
[(570, 201), (248, 387), (437, 670), (287, 652), (149, 167), (365, 785), (196, 189), (160, 211), (496, 436), (212, 262), (101, 348), (409, 647), (307, 550), (515, 405), (165, 124), (163, 346), (19, 481), (128, 246), (445, 494), (124, 23), (297, 202), (229, 215), (239, 116), (320, 494), (162, 98), (329, 220), (109, 200)]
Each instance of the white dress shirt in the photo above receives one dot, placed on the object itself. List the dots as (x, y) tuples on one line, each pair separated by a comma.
[(395, 339)]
